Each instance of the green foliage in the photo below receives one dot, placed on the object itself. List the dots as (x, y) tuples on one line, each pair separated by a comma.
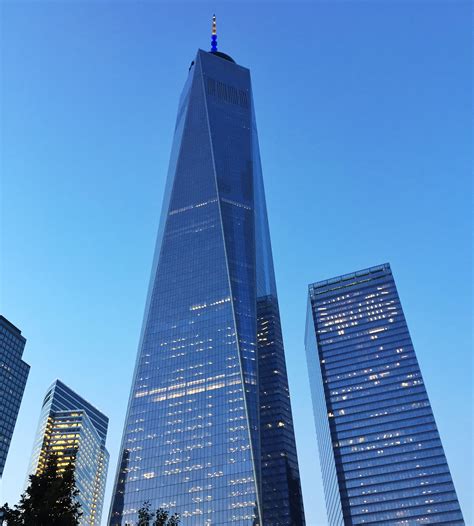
[(160, 517), (49, 500), (163, 518), (145, 515)]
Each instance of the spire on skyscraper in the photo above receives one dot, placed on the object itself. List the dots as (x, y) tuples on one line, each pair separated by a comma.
[(214, 35)]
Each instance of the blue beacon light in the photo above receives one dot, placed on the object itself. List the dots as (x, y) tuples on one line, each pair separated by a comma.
[(214, 35)]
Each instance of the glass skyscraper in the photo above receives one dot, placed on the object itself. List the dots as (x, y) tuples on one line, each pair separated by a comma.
[(76, 431), (13, 375), (209, 430), (381, 456)]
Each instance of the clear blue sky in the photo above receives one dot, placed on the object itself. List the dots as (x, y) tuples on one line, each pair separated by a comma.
[(364, 112)]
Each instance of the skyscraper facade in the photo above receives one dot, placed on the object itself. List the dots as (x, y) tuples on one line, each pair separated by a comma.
[(76, 431), (209, 430), (380, 452), (13, 375)]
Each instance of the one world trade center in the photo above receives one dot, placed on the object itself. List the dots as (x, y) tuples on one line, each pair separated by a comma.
[(209, 430)]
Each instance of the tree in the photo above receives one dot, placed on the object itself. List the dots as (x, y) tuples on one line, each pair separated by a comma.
[(49, 500), (163, 518), (160, 518), (144, 514)]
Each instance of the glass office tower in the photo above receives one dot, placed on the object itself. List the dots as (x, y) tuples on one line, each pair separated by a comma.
[(209, 431), (13, 375), (76, 431), (381, 456)]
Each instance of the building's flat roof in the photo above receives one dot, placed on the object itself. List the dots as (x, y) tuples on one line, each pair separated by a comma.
[(352, 275), (9, 324)]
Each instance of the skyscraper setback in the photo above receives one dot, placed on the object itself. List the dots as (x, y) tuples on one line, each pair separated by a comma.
[(209, 430), (13, 375), (381, 456)]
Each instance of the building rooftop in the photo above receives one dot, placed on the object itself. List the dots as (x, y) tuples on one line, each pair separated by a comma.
[(385, 267), (9, 324)]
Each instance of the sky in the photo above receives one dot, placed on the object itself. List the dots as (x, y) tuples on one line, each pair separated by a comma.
[(364, 112)]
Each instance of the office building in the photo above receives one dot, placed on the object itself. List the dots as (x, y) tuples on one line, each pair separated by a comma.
[(76, 431), (13, 375), (209, 430), (381, 456)]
